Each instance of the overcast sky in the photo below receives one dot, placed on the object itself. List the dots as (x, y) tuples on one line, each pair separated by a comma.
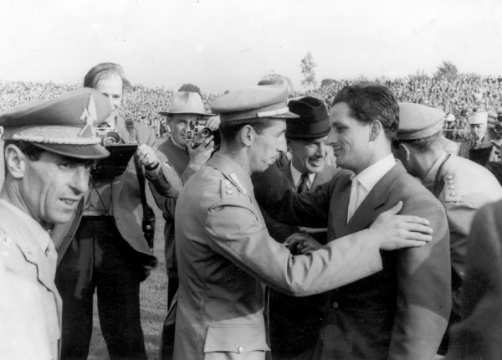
[(225, 44)]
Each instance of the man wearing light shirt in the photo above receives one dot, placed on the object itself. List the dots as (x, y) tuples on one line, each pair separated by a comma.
[(401, 312)]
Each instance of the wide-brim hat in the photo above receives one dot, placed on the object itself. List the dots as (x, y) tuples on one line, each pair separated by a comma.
[(63, 126), (313, 122), (186, 103)]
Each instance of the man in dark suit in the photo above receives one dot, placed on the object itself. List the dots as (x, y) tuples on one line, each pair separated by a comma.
[(294, 322), (479, 335), (401, 312)]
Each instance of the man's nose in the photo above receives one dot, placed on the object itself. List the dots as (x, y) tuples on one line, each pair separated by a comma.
[(331, 137), (80, 181), (282, 145)]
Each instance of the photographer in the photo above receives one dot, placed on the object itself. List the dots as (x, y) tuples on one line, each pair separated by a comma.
[(107, 247), (188, 147)]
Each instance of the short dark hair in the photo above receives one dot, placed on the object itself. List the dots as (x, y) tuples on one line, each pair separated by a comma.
[(103, 70), (228, 132), (31, 151), (371, 102)]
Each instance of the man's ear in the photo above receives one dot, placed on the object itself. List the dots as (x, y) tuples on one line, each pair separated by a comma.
[(15, 161), (376, 128), (404, 152), (247, 135)]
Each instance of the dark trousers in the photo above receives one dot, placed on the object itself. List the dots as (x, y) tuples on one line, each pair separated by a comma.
[(100, 260)]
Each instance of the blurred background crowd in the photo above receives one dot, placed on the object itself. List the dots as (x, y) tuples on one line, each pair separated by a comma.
[(458, 97)]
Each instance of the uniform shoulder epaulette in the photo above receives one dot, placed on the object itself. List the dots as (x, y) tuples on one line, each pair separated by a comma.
[(451, 193)]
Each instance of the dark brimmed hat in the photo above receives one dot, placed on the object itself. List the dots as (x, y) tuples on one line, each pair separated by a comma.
[(251, 104), (63, 126), (313, 122)]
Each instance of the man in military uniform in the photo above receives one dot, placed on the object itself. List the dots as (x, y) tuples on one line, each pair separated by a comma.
[(49, 148), (460, 184), (294, 322), (225, 253)]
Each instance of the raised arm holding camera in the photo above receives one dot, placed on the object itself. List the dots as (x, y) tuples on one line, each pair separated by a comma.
[(107, 247)]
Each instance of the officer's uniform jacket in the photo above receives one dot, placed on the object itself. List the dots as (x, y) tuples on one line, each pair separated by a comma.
[(479, 335), (126, 204), (481, 152), (462, 186), (30, 306), (225, 255), (401, 312)]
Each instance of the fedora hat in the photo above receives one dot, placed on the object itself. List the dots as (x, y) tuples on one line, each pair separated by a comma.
[(186, 102)]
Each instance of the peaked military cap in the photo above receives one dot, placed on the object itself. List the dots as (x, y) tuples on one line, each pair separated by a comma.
[(63, 126), (254, 103), (313, 122), (417, 121)]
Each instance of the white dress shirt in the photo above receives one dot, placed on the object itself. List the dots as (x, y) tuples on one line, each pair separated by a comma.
[(363, 182), (297, 176)]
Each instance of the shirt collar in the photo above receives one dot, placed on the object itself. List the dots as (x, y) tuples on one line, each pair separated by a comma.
[(369, 177), (32, 224), (296, 175)]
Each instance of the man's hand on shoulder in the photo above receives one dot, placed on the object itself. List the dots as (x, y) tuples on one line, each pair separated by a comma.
[(394, 231)]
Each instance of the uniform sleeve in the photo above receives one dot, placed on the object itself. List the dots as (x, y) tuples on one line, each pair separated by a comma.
[(423, 288), (479, 335), (237, 232)]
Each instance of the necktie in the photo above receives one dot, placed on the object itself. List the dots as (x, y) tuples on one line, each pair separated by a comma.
[(303, 186)]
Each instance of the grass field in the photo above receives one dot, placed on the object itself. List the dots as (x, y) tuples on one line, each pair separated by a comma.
[(153, 306)]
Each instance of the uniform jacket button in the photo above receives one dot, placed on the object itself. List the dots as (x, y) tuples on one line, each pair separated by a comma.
[(240, 349), (335, 305)]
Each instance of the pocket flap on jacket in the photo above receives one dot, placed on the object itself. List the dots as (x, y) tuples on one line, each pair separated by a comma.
[(235, 338)]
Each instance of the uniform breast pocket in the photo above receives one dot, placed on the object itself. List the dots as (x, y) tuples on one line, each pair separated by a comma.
[(235, 342)]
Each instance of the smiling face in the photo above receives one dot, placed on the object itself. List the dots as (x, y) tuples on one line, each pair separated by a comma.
[(309, 156), (350, 139), (267, 145), (52, 186)]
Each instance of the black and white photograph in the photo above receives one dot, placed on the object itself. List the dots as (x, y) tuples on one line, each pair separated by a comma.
[(250, 180)]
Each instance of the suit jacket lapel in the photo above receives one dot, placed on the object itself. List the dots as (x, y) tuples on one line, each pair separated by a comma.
[(368, 210)]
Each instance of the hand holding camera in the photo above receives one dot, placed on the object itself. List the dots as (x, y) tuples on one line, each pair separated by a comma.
[(147, 157)]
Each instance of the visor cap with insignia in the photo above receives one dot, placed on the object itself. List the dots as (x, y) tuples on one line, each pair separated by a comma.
[(417, 121), (313, 122), (63, 126), (252, 104)]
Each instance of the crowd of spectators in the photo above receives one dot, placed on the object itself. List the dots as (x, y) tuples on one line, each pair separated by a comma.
[(458, 97)]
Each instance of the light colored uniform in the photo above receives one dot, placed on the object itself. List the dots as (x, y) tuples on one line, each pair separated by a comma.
[(30, 306), (462, 186)]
